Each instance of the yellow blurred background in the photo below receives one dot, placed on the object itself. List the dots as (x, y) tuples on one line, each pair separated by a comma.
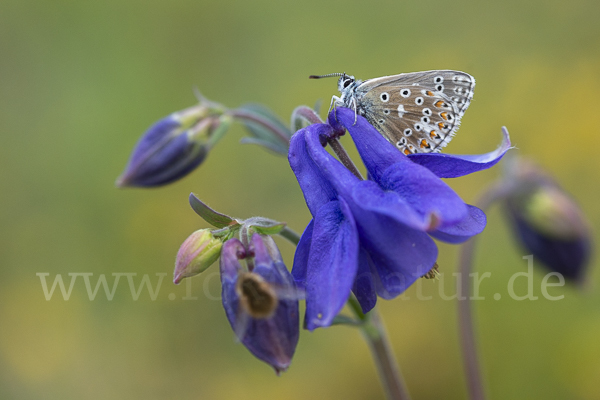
[(81, 81)]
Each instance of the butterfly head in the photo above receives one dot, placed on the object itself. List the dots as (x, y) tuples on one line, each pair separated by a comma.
[(345, 82), (346, 85)]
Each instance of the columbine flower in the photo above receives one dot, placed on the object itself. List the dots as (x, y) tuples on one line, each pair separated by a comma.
[(373, 237), (174, 146), (547, 220), (260, 301)]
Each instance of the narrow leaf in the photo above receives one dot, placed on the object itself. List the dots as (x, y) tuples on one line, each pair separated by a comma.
[(208, 214)]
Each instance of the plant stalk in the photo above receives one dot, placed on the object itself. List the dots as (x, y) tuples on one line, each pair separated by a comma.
[(466, 326), (376, 336)]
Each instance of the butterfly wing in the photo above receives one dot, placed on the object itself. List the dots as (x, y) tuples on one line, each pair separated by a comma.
[(419, 112)]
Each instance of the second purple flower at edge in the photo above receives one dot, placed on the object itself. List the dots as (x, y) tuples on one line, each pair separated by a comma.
[(261, 302), (373, 237)]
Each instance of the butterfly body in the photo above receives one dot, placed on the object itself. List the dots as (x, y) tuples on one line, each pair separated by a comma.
[(419, 112)]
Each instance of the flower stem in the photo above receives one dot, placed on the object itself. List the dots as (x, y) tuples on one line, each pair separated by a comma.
[(304, 113), (375, 334), (339, 150), (290, 235), (465, 311), (466, 328)]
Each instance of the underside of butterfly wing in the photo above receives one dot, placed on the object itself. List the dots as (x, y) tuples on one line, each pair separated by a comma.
[(418, 112)]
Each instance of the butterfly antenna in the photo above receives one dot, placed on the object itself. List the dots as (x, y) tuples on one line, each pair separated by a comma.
[(325, 76)]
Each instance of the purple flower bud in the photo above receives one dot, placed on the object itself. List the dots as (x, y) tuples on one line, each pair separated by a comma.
[(547, 220), (173, 147), (198, 252), (261, 301)]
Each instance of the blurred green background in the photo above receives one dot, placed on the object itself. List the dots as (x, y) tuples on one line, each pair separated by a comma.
[(80, 81)]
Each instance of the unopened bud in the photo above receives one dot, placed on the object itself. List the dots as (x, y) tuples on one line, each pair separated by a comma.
[(547, 220), (198, 252), (173, 147)]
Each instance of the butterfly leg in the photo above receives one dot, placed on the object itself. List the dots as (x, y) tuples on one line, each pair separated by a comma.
[(355, 113), (334, 103)]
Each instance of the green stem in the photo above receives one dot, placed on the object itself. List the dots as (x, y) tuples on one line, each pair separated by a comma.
[(465, 311), (375, 334), (290, 235)]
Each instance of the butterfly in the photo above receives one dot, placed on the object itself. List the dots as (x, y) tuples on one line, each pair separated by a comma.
[(419, 112)]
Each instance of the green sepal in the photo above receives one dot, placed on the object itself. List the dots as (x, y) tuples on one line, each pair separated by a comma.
[(270, 229), (265, 112), (220, 131), (208, 214), (258, 131), (264, 226)]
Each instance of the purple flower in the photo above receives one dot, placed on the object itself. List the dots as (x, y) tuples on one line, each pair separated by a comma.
[(547, 221), (173, 147), (374, 237), (261, 301)]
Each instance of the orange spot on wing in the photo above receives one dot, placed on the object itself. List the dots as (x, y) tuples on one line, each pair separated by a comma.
[(444, 115), (429, 93), (442, 125), (440, 104), (424, 144), (407, 151), (432, 134)]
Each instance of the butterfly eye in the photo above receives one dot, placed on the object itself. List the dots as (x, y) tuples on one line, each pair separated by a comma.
[(347, 83)]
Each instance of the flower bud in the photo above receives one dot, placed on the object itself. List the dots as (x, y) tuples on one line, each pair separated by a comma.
[(547, 220), (262, 303), (174, 146), (198, 252)]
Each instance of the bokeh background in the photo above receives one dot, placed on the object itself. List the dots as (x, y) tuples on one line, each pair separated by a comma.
[(80, 81)]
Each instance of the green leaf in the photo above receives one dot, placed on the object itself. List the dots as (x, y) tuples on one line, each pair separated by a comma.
[(266, 112), (263, 124), (208, 214)]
